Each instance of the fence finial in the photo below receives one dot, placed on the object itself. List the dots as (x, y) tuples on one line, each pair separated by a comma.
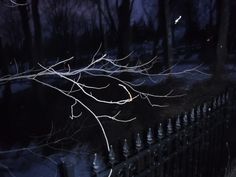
[(227, 96), (204, 109), (215, 103), (198, 111), (112, 157), (150, 137), (178, 123), (95, 164), (138, 143), (219, 101), (160, 132), (210, 107), (192, 115), (223, 98), (126, 149), (185, 119), (169, 127)]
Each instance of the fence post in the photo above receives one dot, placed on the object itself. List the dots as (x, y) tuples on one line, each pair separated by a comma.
[(138, 143), (126, 151), (139, 146), (169, 127), (150, 139), (96, 166), (111, 156), (178, 124), (66, 168), (160, 134)]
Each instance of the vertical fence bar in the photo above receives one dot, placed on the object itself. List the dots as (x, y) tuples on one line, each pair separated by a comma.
[(96, 166), (138, 148), (66, 169)]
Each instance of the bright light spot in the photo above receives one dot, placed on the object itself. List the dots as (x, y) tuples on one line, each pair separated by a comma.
[(177, 20), (208, 40)]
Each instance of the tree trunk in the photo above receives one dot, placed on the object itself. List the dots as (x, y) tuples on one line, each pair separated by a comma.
[(221, 48), (37, 31), (27, 46), (5, 72), (160, 30), (5, 124), (191, 22), (124, 32), (168, 56), (112, 22), (101, 29), (211, 12)]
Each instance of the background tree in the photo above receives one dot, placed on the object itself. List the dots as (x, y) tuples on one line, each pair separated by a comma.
[(159, 35), (232, 28), (167, 34), (101, 28), (12, 35), (27, 43), (5, 72), (153, 18), (221, 50), (149, 10), (110, 16), (124, 31), (191, 20), (63, 20), (37, 30)]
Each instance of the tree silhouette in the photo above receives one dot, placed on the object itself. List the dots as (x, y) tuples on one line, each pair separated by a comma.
[(124, 31), (37, 31), (27, 43), (221, 50)]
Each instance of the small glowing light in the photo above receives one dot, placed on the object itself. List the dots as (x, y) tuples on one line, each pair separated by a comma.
[(177, 20), (208, 40)]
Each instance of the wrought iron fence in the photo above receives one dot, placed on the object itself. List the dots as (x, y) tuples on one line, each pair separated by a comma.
[(192, 144)]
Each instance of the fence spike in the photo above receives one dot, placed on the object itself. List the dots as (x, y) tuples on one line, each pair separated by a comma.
[(227, 96), (199, 111), (185, 119), (112, 157), (210, 107), (223, 98), (215, 103), (219, 101), (192, 115), (138, 143), (178, 123), (126, 149), (169, 127), (160, 132), (150, 137), (204, 109), (95, 164)]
